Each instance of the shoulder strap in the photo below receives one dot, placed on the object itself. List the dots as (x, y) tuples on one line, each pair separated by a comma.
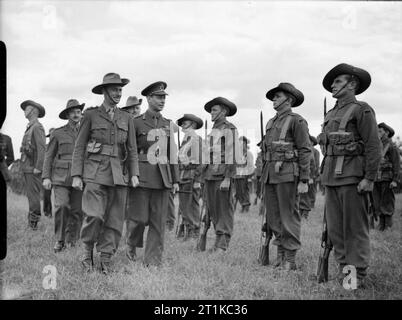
[(384, 151), (285, 128), (346, 118)]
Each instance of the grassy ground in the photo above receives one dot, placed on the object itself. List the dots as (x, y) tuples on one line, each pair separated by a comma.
[(187, 274)]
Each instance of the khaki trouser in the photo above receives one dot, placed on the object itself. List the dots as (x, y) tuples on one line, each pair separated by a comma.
[(348, 226), (148, 207), (104, 208), (189, 205), (283, 215), (242, 193), (171, 215), (68, 215), (33, 186)]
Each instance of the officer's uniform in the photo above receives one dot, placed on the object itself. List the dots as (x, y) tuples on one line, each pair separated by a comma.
[(32, 155), (190, 166), (148, 203), (243, 172), (57, 167), (352, 152), (220, 202), (286, 162), (6, 155), (105, 156), (388, 171)]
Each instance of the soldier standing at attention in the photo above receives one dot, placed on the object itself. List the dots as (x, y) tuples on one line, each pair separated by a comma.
[(223, 144), (387, 177), (57, 173), (285, 171), (352, 152), (243, 172), (6, 155), (105, 158), (148, 204), (190, 165), (133, 106), (32, 155)]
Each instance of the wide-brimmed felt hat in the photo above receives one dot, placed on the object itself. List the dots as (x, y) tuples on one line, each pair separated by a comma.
[(388, 128), (343, 68), (287, 88), (71, 104), (232, 109), (131, 102), (192, 117), (313, 140), (110, 79), (156, 88), (38, 106)]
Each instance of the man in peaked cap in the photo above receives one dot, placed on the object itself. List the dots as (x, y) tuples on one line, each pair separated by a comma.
[(158, 176), (223, 144), (285, 171), (32, 155), (57, 174), (243, 172), (352, 152), (190, 166), (133, 106), (387, 177), (105, 158)]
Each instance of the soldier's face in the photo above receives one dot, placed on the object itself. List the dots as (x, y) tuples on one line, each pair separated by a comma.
[(28, 111), (156, 102), (113, 94), (337, 85), (381, 132), (279, 100), (186, 125), (136, 110), (75, 115), (217, 112)]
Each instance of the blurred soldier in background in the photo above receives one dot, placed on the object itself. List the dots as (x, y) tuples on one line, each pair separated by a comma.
[(32, 155), (133, 106)]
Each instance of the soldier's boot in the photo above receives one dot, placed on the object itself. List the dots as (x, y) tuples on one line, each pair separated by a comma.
[(387, 222), (220, 243), (32, 221), (59, 246), (247, 208), (131, 253), (381, 224), (280, 257), (106, 263), (87, 259), (340, 276), (170, 225), (290, 260)]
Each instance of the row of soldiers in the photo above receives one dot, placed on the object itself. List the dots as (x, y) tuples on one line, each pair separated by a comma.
[(115, 167)]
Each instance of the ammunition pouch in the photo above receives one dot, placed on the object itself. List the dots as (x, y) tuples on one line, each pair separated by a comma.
[(343, 144), (385, 165), (281, 151)]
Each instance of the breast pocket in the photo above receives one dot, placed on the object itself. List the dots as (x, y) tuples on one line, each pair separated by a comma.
[(122, 129), (61, 171), (99, 132), (66, 147)]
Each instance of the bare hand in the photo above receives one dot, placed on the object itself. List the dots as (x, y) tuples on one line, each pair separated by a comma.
[(310, 181), (134, 181), (393, 184), (47, 184), (175, 188), (36, 171), (197, 185), (77, 183), (225, 184), (302, 187), (365, 186)]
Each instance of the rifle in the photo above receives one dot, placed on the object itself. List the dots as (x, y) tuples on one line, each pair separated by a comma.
[(266, 232), (322, 270), (204, 214)]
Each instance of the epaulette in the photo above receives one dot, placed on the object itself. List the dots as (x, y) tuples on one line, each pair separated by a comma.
[(366, 106)]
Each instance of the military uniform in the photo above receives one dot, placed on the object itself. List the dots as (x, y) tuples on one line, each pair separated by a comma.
[(190, 166), (388, 171), (32, 155), (351, 152), (286, 162), (6, 155), (47, 194), (243, 172), (105, 156), (221, 148), (148, 203)]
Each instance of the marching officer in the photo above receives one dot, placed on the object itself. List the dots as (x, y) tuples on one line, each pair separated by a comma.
[(47, 194), (6, 155), (105, 158), (352, 152), (223, 144), (286, 171), (243, 172), (190, 165), (387, 177), (158, 175), (57, 173), (133, 106), (32, 155)]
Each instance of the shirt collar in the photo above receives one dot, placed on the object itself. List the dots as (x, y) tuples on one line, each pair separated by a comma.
[(153, 114), (345, 102), (73, 125), (30, 123), (284, 112), (219, 122), (108, 110)]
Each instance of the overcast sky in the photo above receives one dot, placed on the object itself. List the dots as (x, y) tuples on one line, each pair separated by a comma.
[(238, 50)]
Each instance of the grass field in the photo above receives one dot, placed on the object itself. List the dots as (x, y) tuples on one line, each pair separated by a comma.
[(187, 274)]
